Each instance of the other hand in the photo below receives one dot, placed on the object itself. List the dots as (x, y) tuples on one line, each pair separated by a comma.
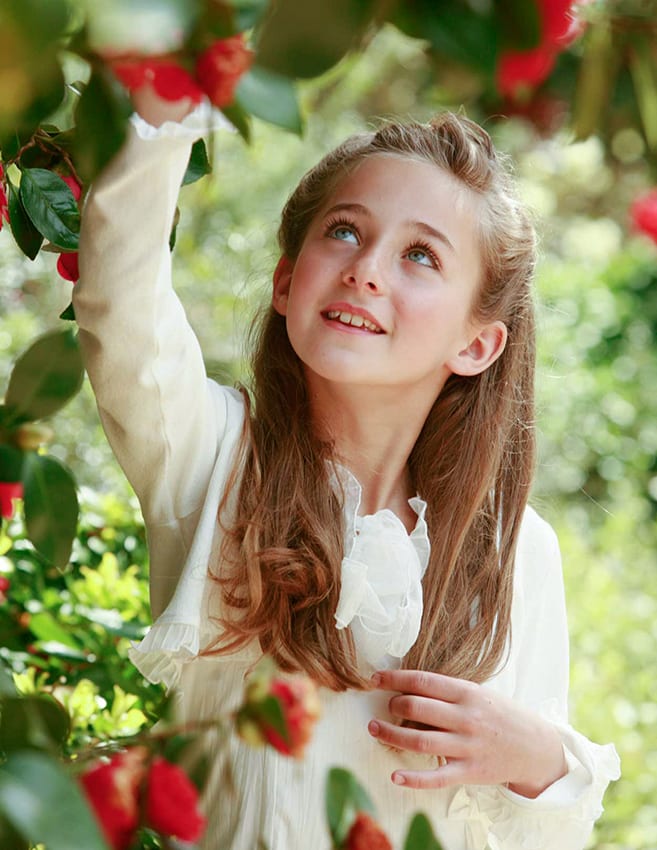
[(483, 737)]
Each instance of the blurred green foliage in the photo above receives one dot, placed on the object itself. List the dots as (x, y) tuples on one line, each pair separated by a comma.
[(597, 477)]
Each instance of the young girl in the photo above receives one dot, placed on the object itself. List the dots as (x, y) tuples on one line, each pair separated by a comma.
[(364, 518)]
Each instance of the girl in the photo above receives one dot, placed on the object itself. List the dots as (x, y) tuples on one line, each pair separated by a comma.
[(364, 520)]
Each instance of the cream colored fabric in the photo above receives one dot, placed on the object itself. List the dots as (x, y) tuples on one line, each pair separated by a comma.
[(174, 433)]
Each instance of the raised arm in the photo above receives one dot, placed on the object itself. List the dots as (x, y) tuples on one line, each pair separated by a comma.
[(163, 418)]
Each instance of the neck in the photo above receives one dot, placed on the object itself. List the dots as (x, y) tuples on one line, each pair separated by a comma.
[(373, 433)]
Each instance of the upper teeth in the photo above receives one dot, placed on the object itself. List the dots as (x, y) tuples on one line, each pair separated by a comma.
[(356, 321)]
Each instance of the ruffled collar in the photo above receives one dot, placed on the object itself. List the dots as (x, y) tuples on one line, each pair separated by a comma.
[(381, 576)]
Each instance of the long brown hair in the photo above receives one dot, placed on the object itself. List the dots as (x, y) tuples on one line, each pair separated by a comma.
[(473, 461)]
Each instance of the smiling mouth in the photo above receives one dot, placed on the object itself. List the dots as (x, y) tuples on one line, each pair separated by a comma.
[(355, 321)]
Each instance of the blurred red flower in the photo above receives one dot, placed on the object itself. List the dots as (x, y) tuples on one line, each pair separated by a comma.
[(519, 69), (5, 584), (219, 68), (298, 706), (170, 80), (9, 490), (172, 802), (366, 834), (643, 214)]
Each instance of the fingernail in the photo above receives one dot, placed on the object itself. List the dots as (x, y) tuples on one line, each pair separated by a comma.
[(376, 679), (398, 779), (374, 728)]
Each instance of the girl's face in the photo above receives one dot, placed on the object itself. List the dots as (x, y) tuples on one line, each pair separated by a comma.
[(381, 293)]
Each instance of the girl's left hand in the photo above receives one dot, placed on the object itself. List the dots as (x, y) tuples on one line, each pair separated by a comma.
[(485, 738)]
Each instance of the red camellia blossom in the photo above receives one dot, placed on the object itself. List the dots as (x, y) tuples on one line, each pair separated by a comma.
[(298, 702), (518, 69), (4, 205), (112, 789), (172, 802), (643, 214), (366, 834), (170, 80), (67, 266), (220, 67), (9, 490), (5, 584)]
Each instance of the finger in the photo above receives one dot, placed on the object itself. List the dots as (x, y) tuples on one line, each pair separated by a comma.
[(423, 683), (426, 710), (453, 773), (427, 741)]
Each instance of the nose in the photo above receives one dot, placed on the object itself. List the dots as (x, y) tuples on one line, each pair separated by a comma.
[(363, 272)]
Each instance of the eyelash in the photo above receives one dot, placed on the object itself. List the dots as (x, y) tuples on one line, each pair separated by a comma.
[(334, 224)]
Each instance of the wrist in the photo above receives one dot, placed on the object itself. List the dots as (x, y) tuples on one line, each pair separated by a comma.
[(547, 769)]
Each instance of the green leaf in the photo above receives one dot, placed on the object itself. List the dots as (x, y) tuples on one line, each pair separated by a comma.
[(44, 804), (9, 838), (101, 123), (270, 712), (520, 23), (33, 722), (595, 80), (51, 507), (68, 314), (45, 627), (7, 686), (198, 165), (420, 835), (45, 377), (345, 797), (239, 119), (11, 463), (302, 39), (27, 237), (270, 96), (51, 206), (248, 13)]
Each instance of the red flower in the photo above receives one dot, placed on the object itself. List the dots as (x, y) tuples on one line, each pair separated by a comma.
[(4, 205), (366, 834), (170, 81), (172, 802), (220, 67), (643, 214), (67, 266), (298, 703), (518, 69), (112, 790), (74, 186), (5, 584), (9, 490)]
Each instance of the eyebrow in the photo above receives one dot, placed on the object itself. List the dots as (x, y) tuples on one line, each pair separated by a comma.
[(419, 225)]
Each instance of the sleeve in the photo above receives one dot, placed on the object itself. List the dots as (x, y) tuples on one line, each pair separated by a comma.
[(562, 817), (157, 407)]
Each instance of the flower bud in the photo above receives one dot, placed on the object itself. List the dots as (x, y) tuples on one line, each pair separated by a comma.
[(366, 834), (9, 490), (219, 68), (31, 435)]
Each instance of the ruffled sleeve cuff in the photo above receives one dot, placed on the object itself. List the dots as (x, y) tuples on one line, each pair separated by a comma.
[(563, 815), (160, 656), (202, 120)]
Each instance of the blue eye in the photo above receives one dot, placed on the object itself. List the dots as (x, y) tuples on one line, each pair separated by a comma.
[(344, 233), (423, 256)]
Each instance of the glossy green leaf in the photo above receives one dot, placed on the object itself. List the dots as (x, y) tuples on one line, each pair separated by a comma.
[(198, 165), (51, 507), (7, 686), (101, 118), (270, 96), (45, 377), (51, 206), (43, 803), (239, 119), (68, 314), (302, 39), (33, 722), (345, 797), (27, 237), (420, 835)]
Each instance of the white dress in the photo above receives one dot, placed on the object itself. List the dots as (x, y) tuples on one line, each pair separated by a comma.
[(174, 432)]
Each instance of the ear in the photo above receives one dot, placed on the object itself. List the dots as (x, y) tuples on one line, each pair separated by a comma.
[(483, 351), (282, 280)]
